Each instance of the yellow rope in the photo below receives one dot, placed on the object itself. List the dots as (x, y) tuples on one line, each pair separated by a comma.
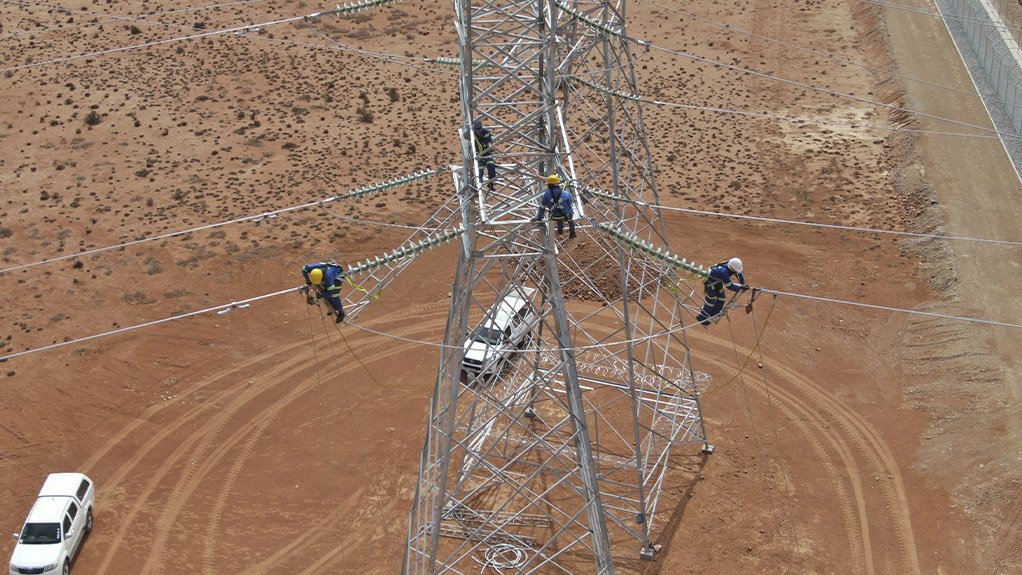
[(759, 338), (372, 296)]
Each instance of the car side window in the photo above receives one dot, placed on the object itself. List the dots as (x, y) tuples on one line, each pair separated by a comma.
[(67, 525), (83, 489), (72, 511)]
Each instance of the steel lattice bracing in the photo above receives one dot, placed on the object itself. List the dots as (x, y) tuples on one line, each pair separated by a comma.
[(555, 461)]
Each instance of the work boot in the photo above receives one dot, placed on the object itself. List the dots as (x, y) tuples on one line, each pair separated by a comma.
[(571, 236), (340, 318)]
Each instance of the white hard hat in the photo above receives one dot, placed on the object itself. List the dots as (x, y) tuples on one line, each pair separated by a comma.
[(735, 265)]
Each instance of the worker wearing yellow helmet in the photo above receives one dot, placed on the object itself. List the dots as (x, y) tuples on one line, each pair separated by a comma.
[(559, 203), (326, 279)]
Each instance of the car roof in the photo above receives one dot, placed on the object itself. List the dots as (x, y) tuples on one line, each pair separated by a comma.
[(47, 510), (505, 309), (501, 313), (62, 484)]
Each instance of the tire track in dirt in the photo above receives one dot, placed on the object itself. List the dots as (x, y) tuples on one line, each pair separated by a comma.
[(316, 530), (881, 461), (860, 435), (232, 475), (203, 435), (202, 459), (342, 550), (213, 428), (130, 429), (852, 505), (117, 438), (851, 499)]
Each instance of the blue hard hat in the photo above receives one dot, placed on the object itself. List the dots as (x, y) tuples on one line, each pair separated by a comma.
[(477, 125)]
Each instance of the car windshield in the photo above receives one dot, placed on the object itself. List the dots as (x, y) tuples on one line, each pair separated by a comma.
[(41, 533), (488, 336)]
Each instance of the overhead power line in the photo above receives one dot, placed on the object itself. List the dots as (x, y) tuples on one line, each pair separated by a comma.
[(893, 309), (404, 179), (217, 308), (628, 239), (367, 4), (359, 192), (731, 29), (107, 51), (597, 25), (840, 227), (348, 8), (619, 198), (107, 16), (852, 124), (245, 302)]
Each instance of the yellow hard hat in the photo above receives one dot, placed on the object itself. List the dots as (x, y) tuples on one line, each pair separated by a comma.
[(316, 276), (553, 179)]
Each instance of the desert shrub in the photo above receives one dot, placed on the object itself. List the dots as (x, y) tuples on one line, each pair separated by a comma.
[(137, 298), (153, 266), (364, 115), (93, 118)]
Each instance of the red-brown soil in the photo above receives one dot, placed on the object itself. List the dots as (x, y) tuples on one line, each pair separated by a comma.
[(264, 441)]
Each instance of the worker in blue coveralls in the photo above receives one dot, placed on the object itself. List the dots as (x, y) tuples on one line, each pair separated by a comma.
[(484, 151), (326, 278), (560, 205), (720, 278)]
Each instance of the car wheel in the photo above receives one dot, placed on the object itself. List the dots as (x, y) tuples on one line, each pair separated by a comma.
[(88, 522), (67, 567)]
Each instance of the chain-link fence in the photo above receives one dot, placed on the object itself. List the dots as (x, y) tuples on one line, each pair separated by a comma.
[(994, 41)]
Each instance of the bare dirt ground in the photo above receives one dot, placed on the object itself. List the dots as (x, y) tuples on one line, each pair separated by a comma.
[(263, 441)]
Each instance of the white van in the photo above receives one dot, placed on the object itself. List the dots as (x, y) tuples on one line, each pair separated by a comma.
[(56, 526), (503, 330)]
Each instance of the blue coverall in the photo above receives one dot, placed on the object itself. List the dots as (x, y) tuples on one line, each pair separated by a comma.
[(560, 206), (330, 288), (720, 277)]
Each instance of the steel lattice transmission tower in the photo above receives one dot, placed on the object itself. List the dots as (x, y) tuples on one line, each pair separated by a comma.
[(555, 461)]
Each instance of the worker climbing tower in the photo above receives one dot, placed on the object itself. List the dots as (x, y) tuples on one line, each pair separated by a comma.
[(565, 380)]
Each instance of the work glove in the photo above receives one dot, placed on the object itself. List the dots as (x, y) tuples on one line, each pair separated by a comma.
[(745, 288)]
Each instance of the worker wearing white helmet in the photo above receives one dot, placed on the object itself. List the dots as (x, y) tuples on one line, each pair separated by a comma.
[(718, 279)]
